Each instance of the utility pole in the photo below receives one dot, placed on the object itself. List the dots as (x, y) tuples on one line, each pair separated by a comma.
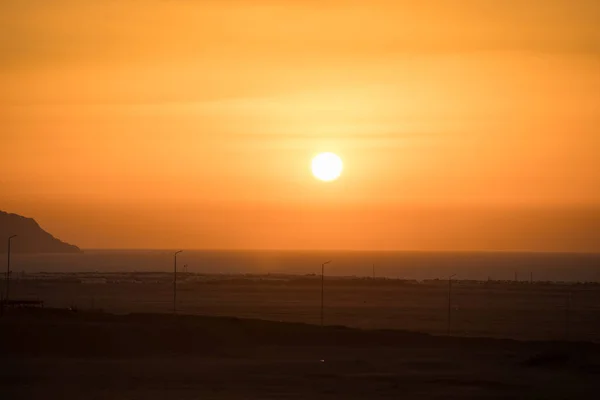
[(323, 287), (450, 302), (175, 282), (8, 268)]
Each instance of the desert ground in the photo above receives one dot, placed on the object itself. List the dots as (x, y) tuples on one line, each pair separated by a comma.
[(114, 336), (61, 354)]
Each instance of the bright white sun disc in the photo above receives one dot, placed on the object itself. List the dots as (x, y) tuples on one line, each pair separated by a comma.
[(327, 166)]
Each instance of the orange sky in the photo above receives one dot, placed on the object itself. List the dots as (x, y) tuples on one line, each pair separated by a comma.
[(462, 124)]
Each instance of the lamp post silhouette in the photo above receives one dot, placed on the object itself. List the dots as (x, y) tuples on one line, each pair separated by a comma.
[(323, 286), (8, 268), (175, 281), (450, 301)]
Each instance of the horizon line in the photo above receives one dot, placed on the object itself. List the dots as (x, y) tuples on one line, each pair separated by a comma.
[(335, 250)]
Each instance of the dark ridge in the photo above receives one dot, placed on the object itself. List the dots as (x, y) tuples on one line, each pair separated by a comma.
[(39, 332), (31, 238)]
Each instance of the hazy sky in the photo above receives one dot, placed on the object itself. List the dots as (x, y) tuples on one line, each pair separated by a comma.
[(462, 124)]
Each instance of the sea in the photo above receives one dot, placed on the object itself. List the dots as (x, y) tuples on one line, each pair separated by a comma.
[(567, 267)]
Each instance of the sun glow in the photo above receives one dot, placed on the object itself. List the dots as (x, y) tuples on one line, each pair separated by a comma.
[(327, 166)]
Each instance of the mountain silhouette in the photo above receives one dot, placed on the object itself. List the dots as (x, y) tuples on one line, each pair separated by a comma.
[(31, 238)]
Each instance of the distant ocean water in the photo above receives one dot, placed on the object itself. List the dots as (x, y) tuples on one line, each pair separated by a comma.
[(407, 265)]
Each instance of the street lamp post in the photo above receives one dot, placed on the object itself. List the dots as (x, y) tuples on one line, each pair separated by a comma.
[(8, 268), (450, 301), (323, 286), (175, 281)]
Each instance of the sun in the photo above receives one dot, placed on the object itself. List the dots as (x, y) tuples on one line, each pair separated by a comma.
[(327, 166)]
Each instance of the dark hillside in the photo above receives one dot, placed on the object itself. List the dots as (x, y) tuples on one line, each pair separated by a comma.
[(31, 238)]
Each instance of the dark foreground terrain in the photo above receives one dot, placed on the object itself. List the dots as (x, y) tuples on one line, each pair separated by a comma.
[(58, 354)]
